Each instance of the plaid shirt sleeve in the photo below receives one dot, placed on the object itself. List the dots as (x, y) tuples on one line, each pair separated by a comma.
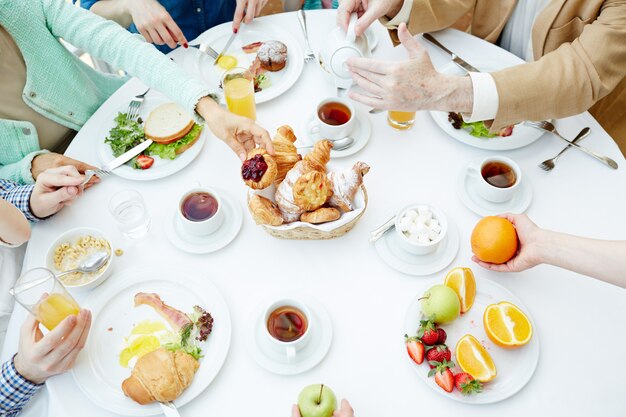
[(19, 196), (15, 390)]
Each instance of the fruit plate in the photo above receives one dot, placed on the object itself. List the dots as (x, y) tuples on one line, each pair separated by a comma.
[(97, 371), (514, 367)]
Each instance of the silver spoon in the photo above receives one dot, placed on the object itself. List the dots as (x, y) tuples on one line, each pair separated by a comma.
[(92, 263), (338, 145), (384, 228)]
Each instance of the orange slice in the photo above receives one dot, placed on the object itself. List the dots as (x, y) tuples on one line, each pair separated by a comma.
[(472, 358), (462, 281), (506, 325)]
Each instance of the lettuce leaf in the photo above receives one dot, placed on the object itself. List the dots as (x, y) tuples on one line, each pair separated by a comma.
[(125, 135), (168, 151), (478, 129)]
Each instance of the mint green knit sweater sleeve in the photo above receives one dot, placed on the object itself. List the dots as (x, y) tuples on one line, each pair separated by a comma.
[(106, 40)]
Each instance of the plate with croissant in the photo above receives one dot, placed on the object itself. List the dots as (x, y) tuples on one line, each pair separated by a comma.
[(161, 334), (302, 197)]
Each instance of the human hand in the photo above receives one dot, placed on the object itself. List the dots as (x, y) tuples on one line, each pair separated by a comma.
[(49, 160), (54, 189), (240, 133), (344, 411), (409, 85), (529, 252), (246, 11), (367, 10), (155, 23), (40, 357)]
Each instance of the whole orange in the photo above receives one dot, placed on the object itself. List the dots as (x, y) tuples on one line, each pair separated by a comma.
[(494, 240)]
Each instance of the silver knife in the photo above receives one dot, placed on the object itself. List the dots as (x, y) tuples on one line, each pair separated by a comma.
[(455, 58), (169, 409), (202, 47), (127, 156), (230, 40)]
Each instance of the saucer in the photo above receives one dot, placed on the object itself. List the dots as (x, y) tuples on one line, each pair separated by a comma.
[(361, 135), (466, 190), (275, 361), (233, 219), (393, 255)]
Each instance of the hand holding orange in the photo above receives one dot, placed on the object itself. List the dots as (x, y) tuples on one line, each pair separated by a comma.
[(494, 240)]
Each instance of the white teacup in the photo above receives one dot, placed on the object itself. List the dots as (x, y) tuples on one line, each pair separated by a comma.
[(290, 348), (199, 226), (490, 192), (319, 128)]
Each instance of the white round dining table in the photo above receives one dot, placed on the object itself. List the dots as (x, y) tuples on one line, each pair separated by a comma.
[(580, 322)]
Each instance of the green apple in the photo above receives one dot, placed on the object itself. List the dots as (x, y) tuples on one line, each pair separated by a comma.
[(317, 400), (441, 304)]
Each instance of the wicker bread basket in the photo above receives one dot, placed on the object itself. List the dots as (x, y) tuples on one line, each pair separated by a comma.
[(312, 232)]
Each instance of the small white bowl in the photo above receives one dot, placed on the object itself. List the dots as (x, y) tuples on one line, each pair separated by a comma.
[(72, 237), (418, 248)]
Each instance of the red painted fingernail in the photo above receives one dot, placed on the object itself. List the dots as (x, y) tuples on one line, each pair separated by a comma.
[(185, 45), (235, 30)]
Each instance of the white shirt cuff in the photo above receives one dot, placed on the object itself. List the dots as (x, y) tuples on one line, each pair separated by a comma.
[(403, 15), (486, 99)]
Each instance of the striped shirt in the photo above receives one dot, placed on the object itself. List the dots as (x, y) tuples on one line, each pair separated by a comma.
[(19, 196), (15, 390)]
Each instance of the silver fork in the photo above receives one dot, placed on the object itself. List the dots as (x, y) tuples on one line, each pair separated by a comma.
[(549, 164), (549, 127), (135, 105), (91, 172), (309, 56)]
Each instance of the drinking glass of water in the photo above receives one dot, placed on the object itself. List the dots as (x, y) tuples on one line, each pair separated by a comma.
[(129, 210)]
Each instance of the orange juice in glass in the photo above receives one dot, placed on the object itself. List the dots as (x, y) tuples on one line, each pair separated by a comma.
[(238, 84), (43, 295), (401, 120)]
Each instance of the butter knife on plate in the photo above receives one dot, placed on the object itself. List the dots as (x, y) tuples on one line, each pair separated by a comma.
[(117, 162), (230, 41), (455, 58), (169, 409)]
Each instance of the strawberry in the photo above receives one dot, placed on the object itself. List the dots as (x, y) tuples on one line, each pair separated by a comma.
[(415, 348), (442, 336), (144, 161), (506, 131), (438, 353), (443, 375), (428, 332), (465, 383)]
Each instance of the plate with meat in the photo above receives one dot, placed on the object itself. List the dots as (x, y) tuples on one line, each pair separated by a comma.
[(477, 134), (273, 56), (158, 335)]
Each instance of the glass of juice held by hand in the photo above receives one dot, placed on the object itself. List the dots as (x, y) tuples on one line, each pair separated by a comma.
[(43, 295), (238, 84)]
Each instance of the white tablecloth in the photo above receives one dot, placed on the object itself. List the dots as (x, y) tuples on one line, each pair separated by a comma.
[(366, 299)]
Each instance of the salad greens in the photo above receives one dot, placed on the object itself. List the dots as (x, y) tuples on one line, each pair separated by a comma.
[(198, 330), (478, 129), (168, 151)]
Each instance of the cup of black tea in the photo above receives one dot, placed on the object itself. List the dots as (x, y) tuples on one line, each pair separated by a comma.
[(199, 211), (497, 178), (287, 326), (334, 119)]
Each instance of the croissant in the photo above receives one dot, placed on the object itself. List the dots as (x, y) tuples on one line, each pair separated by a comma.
[(321, 215), (161, 375), (285, 152), (259, 170), (320, 155), (345, 184), (264, 211), (284, 193)]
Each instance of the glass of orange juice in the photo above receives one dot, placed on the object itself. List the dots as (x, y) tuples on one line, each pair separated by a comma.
[(238, 84), (401, 120), (43, 295)]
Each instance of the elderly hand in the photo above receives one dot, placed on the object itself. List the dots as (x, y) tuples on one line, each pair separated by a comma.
[(529, 252), (367, 10), (344, 411), (409, 85), (155, 23), (40, 357), (240, 133), (54, 189), (246, 11)]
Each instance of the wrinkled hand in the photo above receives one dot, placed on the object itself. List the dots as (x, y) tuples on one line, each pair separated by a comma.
[(54, 189), (49, 160), (344, 411), (368, 12), (246, 11), (40, 357), (155, 23), (240, 133), (408, 85), (528, 253)]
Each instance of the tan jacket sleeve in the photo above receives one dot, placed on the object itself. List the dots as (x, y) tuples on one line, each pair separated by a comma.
[(570, 79)]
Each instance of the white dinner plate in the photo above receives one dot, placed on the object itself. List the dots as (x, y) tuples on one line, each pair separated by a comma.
[(514, 367), (258, 30), (161, 167), (522, 135), (97, 371)]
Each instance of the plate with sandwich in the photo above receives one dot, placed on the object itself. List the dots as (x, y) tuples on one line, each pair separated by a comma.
[(158, 335), (177, 139)]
